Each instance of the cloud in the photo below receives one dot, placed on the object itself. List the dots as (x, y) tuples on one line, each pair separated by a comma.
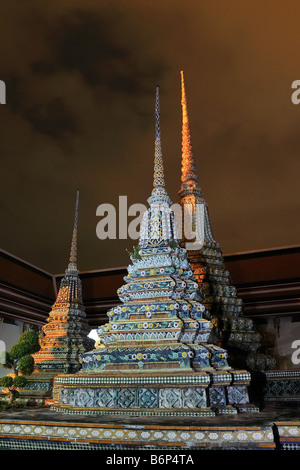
[(80, 113), (96, 51), (52, 118)]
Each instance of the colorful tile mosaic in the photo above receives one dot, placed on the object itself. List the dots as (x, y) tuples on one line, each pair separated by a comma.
[(288, 435), (53, 435), (282, 385)]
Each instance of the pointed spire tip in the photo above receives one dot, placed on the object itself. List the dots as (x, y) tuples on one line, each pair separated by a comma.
[(158, 179), (188, 167), (73, 250)]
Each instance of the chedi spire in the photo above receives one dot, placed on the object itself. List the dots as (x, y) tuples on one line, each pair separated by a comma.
[(158, 225), (222, 305), (72, 267), (189, 176), (65, 333), (194, 206), (158, 178)]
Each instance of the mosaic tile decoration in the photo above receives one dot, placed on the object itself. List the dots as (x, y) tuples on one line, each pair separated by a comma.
[(289, 435), (282, 385), (57, 435)]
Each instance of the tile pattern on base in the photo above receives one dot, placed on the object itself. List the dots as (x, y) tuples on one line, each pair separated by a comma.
[(39, 435)]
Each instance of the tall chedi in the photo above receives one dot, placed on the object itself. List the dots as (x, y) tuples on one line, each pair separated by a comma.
[(223, 307), (153, 357), (66, 331)]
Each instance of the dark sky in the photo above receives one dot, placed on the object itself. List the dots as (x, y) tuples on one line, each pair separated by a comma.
[(81, 79)]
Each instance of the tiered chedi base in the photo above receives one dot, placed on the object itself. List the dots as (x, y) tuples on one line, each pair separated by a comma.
[(220, 299), (153, 357), (65, 334), (64, 341), (224, 308)]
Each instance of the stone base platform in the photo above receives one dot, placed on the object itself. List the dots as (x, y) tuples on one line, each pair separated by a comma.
[(38, 389), (169, 393), (39, 428)]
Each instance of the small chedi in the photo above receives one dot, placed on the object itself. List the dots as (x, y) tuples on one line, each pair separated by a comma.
[(231, 329), (65, 333), (153, 357)]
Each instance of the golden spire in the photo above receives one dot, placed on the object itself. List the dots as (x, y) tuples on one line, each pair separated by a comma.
[(188, 168)]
